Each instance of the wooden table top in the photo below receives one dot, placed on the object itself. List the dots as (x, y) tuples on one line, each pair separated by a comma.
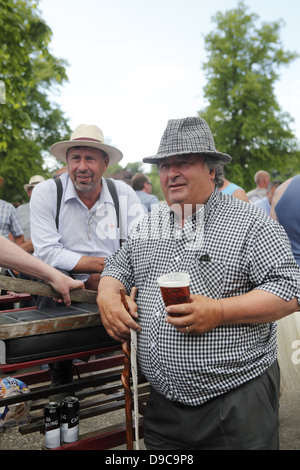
[(18, 323)]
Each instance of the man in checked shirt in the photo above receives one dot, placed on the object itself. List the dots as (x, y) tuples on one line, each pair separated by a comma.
[(213, 367)]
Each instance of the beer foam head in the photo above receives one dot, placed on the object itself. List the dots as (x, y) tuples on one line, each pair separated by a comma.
[(174, 280)]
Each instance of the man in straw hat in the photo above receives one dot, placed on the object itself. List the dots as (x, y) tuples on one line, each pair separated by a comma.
[(74, 227), (211, 363), (86, 231)]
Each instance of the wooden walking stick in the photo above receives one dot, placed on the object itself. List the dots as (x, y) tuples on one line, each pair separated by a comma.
[(125, 377)]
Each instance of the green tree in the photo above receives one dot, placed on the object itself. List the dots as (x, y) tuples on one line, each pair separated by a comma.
[(113, 169), (243, 113), (29, 121), (135, 167)]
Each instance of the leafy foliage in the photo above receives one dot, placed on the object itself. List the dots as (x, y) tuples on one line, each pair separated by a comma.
[(29, 121), (243, 114)]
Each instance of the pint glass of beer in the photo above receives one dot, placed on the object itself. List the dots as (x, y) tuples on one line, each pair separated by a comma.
[(175, 288)]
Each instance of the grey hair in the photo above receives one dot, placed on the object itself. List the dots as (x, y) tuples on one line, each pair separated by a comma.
[(213, 163), (218, 166)]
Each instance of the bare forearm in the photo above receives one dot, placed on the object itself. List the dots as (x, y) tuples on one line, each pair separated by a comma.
[(14, 257), (257, 306), (89, 264)]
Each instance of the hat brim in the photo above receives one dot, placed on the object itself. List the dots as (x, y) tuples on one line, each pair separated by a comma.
[(28, 186), (157, 158), (59, 149)]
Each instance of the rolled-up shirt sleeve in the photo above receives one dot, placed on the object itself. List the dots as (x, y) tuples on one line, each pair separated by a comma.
[(119, 267), (272, 264)]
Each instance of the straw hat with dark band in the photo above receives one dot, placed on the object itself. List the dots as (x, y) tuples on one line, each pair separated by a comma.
[(34, 180), (86, 136)]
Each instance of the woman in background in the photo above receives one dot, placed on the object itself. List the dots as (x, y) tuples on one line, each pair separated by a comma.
[(234, 190)]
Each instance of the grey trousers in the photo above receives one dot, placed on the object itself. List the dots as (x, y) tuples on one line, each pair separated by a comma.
[(245, 418)]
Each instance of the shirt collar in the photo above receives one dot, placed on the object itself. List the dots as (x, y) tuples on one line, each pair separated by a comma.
[(212, 202), (209, 206), (71, 193)]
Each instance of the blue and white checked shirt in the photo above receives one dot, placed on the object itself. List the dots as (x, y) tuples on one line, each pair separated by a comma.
[(9, 222), (233, 248), (82, 232)]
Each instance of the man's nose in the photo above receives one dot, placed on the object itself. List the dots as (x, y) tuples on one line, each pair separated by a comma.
[(173, 171), (82, 164)]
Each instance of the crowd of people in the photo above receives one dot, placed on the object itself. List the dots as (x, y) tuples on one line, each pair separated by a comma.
[(211, 363)]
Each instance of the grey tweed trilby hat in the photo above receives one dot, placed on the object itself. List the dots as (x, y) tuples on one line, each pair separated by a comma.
[(184, 136)]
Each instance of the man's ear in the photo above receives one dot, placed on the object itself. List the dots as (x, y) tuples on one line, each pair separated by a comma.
[(106, 161), (212, 173)]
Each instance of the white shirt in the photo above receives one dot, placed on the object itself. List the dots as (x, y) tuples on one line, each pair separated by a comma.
[(81, 231), (264, 204), (23, 212)]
